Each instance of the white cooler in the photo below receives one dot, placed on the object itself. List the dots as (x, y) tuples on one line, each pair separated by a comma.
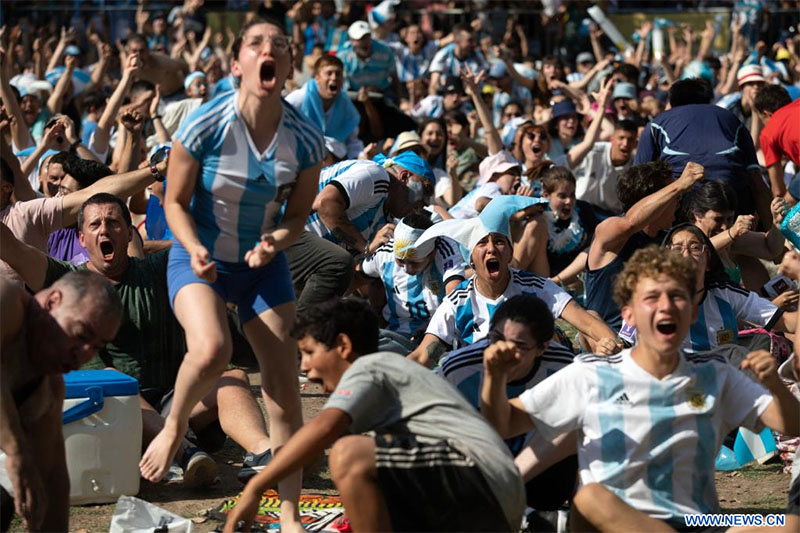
[(102, 435)]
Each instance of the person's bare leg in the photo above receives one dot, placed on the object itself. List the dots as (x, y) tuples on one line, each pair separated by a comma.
[(352, 464), (237, 410), (605, 511), (152, 423), (276, 352), (201, 312)]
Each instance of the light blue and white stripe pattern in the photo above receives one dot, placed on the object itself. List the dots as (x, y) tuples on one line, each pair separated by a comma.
[(240, 193), (364, 186), (652, 442), (376, 71)]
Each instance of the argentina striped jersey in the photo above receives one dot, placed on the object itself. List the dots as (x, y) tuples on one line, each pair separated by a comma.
[(364, 186), (411, 300), (464, 315), (240, 193), (652, 442)]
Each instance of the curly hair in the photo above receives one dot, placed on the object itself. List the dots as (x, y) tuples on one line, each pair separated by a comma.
[(653, 262), (641, 181)]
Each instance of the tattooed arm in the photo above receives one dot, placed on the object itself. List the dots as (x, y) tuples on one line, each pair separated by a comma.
[(331, 207), (429, 350)]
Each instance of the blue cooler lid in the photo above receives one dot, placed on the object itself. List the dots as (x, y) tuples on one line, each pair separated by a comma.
[(113, 383)]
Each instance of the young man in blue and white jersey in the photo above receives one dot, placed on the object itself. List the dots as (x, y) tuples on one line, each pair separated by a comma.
[(415, 279), (465, 314), (356, 197), (526, 321), (650, 419)]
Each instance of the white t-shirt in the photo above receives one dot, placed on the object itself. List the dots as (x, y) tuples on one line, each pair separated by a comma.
[(596, 178), (651, 442)]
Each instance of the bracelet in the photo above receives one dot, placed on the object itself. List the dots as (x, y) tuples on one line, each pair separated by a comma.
[(731, 236), (74, 146), (156, 117)]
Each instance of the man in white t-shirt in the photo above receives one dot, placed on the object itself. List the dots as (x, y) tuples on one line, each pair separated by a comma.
[(651, 419), (596, 177)]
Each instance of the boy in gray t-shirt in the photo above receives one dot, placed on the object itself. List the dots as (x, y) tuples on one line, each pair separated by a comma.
[(433, 464)]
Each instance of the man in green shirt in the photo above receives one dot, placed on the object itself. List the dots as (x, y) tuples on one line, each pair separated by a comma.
[(150, 344)]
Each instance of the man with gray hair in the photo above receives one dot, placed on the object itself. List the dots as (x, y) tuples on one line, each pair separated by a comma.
[(43, 336)]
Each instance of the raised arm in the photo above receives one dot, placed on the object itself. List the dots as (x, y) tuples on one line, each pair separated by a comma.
[(27, 261), (508, 417), (66, 36), (120, 185), (19, 131), (576, 154), (471, 83), (612, 234), (528, 83), (56, 100), (103, 131), (22, 187)]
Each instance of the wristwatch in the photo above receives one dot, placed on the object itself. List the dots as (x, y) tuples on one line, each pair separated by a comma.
[(156, 174)]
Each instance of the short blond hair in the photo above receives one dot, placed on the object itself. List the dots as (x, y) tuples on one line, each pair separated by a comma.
[(653, 262)]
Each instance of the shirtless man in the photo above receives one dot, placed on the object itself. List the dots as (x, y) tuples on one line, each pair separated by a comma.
[(158, 69), (43, 336)]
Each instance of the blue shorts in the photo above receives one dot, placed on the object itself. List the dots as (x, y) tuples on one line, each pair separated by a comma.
[(253, 290)]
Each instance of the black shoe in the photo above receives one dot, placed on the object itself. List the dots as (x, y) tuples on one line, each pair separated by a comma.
[(253, 464)]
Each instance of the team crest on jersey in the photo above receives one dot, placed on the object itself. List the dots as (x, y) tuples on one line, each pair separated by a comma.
[(283, 192), (696, 398), (725, 336)]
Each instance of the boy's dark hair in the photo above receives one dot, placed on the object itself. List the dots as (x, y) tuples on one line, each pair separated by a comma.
[(141, 86), (418, 221), (626, 125), (325, 61), (95, 99), (456, 116), (85, 171), (529, 311), (771, 98), (61, 158), (462, 27), (641, 181), (103, 198), (262, 18), (690, 91), (138, 37), (350, 316), (630, 72)]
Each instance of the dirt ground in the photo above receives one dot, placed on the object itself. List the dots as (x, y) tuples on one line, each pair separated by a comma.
[(759, 489)]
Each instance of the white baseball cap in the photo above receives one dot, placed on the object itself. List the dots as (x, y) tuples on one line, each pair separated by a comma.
[(358, 30)]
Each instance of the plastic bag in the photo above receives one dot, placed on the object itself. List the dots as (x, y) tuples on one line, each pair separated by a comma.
[(132, 515)]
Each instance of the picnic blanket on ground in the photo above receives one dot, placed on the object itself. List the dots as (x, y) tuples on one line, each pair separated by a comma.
[(318, 512)]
